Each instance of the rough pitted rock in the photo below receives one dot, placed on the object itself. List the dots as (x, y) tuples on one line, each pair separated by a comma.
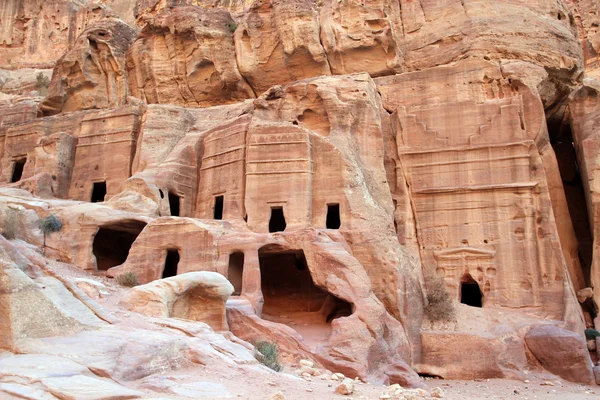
[(197, 296), (35, 33), (92, 74), (277, 42), (186, 56)]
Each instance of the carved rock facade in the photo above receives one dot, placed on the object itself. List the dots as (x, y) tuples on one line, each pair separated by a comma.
[(336, 161)]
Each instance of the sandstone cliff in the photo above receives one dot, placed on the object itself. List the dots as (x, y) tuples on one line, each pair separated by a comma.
[(390, 186)]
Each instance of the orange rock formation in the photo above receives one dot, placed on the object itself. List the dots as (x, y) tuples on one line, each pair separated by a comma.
[(344, 164)]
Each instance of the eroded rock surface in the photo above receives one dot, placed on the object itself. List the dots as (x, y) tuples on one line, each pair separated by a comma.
[(320, 175), (196, 296), (186, 56), (92, 73)]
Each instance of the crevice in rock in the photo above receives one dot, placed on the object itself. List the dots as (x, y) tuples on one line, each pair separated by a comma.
[(562, 143)]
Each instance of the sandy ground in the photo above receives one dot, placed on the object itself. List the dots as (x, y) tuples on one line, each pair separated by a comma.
[(493, 389)]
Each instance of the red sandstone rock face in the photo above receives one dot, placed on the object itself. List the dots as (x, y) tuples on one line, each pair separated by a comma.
[(92, 73), (36, 33), (186, 56), (277, 42), (329, 159)]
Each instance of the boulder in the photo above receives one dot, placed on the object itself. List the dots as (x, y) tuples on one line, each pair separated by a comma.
[(346, 387), (198, 296), (561, 352)]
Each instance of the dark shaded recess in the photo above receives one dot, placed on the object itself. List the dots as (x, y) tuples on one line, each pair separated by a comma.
[(562, 143), (470, 293), (561, 138), (218, 210), (277, 220), (333, 216), (18, 169), (171, 263), (112, 242), (287, 286), (174, 204), (98, 192), (235, 272)]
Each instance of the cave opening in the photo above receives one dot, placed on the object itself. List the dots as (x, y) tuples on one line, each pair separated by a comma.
[(113, 241), (292, 298), (470, 293), (98, 192), (277, 221), (171, 263), (235, 271), (18, 168), (174, 204), (333, 216), (218, 209)]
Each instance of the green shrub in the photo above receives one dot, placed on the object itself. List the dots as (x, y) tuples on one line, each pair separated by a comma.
[(10, 223), (591, 334), (50, 224), (128, 279), (42, 82), (268, 355), (439, 304), (232, 26)]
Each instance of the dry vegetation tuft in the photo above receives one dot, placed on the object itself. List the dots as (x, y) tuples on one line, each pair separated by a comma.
[(439, 304)]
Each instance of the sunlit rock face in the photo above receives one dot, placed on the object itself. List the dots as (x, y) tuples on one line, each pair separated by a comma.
[(348, 166), (92, 73)]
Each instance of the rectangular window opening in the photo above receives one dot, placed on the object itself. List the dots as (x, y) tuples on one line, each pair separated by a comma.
[(333, 216), (174, 204), (171, 263), (218, 210), (98, 192), (235, 272), (18, 169)]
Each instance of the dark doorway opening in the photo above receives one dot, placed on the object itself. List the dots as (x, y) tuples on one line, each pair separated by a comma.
[(235, 272), (292, 298), (18, 169), (218, 210), (171, 263), (277, 220), (112, 242), (333, 216), (470, 293), (174, 204), (98, 192)]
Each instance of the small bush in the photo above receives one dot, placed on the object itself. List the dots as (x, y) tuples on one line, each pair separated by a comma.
[(42, 82), (128, 279), (50, 224), (591, 334), (268, 355), (10, 223), (232, 26), (439, 304)]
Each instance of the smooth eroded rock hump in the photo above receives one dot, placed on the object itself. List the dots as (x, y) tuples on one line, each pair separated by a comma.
[(197, 296)]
